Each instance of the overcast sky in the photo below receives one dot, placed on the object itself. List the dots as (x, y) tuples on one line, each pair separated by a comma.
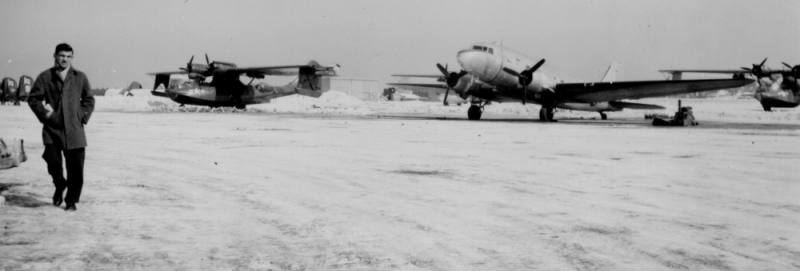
[(117, 42)]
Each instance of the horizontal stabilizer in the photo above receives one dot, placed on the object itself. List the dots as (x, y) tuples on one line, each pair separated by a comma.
[(159, 94), (628, 105), (436, 86)]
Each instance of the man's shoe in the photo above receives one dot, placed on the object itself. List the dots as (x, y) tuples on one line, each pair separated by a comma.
[(58, 196), (70, 207)]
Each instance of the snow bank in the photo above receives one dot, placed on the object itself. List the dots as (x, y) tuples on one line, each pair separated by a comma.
[(330, 103)]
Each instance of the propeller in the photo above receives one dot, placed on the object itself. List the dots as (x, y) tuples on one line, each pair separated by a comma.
[(210, 68), (795, 71), (450, 78), (525, 77), (757, 70), (188, 65), (188, 69)]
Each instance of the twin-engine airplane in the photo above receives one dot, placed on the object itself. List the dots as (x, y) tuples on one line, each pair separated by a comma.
[(783, 91), (226, 90), (491, 72)]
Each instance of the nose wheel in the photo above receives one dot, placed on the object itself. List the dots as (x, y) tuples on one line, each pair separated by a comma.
[(603, 115)]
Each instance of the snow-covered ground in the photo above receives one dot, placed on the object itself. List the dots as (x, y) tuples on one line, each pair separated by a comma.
[(335, 184)]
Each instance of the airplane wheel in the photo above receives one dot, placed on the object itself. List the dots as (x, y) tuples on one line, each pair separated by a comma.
[(603, 115), (546, 114), (474, 112), (767, 108), (446, 103), (240, 106)]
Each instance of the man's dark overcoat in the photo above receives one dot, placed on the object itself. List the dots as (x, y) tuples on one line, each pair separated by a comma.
[(72, 103)]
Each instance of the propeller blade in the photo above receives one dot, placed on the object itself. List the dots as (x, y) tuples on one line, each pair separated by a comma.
[(207, 62), (188, 68), (787, 65), (445, 95), (536, 67), (442, 69), (747, 69), (511, 72), (762, 62)]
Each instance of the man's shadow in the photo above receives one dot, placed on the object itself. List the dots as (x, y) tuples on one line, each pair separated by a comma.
[(20, 200)]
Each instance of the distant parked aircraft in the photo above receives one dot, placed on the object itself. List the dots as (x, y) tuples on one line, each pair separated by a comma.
[(783, 91), (226, 90)]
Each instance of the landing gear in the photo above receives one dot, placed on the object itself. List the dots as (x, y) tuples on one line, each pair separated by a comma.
[(474, 112), (241, 106), (446, 103), (603, 116), (546, 114), (767, 108), (182, 105)]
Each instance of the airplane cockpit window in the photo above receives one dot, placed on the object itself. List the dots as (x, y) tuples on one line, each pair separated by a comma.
[(476, 47)]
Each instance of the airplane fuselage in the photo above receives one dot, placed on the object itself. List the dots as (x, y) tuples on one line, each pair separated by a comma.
[(225, 92)]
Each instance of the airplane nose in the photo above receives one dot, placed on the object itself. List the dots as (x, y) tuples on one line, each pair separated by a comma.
[(471, 60)]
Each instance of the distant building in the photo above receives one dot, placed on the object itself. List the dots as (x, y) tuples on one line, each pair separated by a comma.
[(364, 89)]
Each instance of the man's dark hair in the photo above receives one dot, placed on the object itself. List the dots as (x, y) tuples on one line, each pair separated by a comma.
[(63, 48)]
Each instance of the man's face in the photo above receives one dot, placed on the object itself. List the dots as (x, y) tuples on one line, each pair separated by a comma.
[(63, 59)]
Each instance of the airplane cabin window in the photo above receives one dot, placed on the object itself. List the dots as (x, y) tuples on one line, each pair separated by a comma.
[(490, 51)]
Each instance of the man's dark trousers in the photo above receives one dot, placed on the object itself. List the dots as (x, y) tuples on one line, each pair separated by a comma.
[(74, 160)]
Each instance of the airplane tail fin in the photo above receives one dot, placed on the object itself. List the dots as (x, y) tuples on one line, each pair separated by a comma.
[(611, 73), (308, 80), (161, 79)]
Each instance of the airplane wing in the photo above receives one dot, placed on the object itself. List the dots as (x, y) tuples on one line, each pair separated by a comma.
[(709, 71), (166, 73), (268, 70), (612, 91), (764, 72), (419, 75), (271, 70), (286, 70), (434, 86)]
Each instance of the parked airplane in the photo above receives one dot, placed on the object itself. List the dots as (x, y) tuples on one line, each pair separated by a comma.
[(225, 88), (491, 72), (783, 91)]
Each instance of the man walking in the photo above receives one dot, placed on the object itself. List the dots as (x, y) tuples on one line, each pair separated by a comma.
[(67, 93)]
